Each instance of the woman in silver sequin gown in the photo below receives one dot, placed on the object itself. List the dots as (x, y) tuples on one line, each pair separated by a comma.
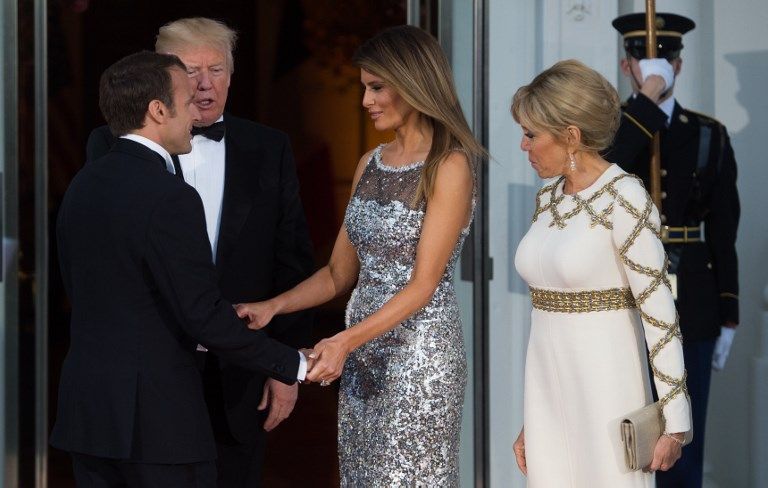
[(402, 387)]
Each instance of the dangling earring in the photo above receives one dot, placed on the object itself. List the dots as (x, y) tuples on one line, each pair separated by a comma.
[(572, 165)]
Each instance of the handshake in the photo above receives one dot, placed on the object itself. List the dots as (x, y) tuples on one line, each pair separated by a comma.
[(325, 361)]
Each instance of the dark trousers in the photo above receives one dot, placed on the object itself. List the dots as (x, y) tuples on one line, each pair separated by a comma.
[(687, 472), (238, 465), (98, 472)]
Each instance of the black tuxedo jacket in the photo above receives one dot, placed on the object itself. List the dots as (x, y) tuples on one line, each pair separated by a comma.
[(137, 267), (263, 249)]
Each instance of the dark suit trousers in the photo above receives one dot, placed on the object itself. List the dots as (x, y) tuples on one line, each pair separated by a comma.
[(98, 472), (238, 465), (688, 471)]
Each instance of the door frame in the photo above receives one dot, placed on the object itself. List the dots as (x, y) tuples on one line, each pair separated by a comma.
[(481, 269)]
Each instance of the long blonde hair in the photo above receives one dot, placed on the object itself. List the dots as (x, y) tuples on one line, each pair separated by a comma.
[(412, 62)]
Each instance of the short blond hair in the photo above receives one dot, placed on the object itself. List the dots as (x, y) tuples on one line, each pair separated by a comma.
[(570, 94), (197, 31)]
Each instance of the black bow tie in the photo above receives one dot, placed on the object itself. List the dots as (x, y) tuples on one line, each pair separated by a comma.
[(214, 132)]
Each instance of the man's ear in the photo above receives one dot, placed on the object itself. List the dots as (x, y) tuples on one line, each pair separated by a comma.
[(157, 111), (677, 65), (625, 67)]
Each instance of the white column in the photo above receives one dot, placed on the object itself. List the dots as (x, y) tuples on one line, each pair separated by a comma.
[(581, 29), (759, 441), (514, 52)]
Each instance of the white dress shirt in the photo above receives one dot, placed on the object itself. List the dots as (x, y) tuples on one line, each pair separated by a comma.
[(150, 144), (203, 169), (668, 106)]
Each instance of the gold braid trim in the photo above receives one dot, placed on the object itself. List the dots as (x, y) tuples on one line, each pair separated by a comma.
[(613, 299), (560, 220), (543, 208), (658, 277), (582, 301), (638, 124)]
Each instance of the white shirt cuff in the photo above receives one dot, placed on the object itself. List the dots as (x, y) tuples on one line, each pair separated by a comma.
[(302, 374)]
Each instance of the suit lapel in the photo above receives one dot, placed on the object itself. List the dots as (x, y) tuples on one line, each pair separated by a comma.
[(236, 203)]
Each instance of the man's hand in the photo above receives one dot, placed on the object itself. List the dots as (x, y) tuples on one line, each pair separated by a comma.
[(723, 346), (658, 77), (280, 398)]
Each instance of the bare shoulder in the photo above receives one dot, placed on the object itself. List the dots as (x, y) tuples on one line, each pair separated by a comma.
[(454, 171), (365, 158), (361, 167)]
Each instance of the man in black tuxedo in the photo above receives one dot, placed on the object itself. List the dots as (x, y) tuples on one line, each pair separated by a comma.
[(138, 269), (246, 177)]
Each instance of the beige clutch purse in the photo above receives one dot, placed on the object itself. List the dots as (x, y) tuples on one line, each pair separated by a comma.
[(640, 430)]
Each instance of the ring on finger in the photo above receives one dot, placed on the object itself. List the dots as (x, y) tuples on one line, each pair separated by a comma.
[(324, 382)]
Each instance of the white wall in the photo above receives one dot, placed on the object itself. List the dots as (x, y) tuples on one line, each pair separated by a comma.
[(740, 74), (514, 58)]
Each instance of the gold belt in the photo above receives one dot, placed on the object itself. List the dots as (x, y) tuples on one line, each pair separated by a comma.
[(582, 301)]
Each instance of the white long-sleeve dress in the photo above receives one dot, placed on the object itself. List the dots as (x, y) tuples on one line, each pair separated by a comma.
[(596, 268)]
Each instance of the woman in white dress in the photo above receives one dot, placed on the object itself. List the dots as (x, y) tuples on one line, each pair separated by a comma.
[(595, 265)]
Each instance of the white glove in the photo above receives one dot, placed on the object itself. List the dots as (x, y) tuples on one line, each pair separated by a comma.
[(722, 347), (660, 67)]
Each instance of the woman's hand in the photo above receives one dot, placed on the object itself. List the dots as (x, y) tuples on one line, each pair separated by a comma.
[(519, 448), (666, 453), (258, 314), (331, 355)]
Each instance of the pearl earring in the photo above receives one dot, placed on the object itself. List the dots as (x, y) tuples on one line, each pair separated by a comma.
[(572, 165)]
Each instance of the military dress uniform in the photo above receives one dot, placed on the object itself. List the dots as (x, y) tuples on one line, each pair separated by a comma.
[(700, 216)]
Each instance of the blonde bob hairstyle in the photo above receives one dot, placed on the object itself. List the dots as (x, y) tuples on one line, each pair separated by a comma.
[(570, 94), (413, 64), (195, 32)]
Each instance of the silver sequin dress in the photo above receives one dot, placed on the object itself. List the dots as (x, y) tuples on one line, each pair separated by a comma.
[(401, 393)]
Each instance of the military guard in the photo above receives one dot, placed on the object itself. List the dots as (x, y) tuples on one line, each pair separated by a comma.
[(699, 211)]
